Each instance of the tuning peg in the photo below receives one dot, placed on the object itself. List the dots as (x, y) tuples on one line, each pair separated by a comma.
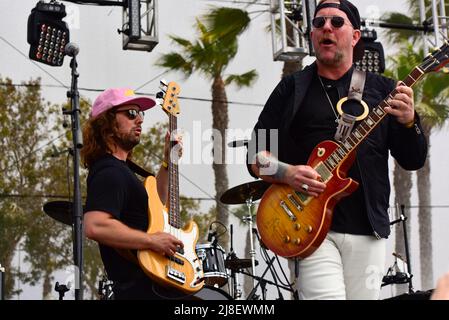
[(163, 83), (159, 101), (160, 95)]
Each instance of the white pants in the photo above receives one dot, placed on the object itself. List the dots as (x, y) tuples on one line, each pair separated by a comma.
[(345, 266)]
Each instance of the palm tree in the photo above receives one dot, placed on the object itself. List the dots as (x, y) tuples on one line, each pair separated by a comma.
[(431, 98), (402, 178), (289, 67), (210, 54)]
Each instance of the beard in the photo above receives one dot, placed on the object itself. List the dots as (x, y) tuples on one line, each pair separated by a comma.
[(127, 141), (334, 61)]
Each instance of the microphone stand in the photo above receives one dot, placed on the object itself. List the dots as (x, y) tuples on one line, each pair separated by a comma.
[(403, 219), (249, 219), (77, 221), (234, 288), (272, 269), (2, 282)]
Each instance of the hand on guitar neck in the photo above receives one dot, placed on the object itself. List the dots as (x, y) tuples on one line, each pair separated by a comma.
[(402, 106), (301, 178)]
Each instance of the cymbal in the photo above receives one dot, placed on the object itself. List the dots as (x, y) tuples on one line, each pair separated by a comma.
[(60, 211), (241, 193), (236, 263)]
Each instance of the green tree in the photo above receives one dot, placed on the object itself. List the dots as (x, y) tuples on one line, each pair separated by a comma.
[(403, 179), (431, 97), (209, 55), (396, 36), (22, 113)]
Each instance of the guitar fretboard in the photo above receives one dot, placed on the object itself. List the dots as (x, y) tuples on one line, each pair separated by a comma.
[(367, 125), (173, 179)]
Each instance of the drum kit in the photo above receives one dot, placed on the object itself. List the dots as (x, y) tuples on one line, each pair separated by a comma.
[(219, 268)]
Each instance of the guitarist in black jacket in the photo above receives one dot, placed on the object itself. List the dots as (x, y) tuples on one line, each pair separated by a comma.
[(349, 264)]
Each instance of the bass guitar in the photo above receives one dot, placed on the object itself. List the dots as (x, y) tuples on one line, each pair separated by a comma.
[(183, 271)]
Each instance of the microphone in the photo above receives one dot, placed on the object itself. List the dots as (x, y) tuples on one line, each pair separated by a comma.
[(238, 143), (71, 49)]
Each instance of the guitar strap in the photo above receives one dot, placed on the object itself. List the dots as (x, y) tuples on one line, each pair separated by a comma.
[(346, 121), (138, 169)]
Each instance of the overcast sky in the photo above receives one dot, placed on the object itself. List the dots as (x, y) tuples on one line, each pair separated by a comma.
[(103, 64)]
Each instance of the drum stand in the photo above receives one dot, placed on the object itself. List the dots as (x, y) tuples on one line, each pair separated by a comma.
[(234, 290), (263, 282), (252, 252)]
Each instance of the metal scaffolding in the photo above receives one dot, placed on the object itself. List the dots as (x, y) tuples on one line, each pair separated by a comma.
[(147, 37), (434, 15), (290, 28), (291, 25)]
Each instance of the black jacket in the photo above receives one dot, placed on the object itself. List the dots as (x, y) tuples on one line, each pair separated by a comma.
[(407, 145)]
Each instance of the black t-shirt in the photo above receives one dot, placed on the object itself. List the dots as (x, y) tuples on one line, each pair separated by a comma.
[(113, 188), (316, 122)]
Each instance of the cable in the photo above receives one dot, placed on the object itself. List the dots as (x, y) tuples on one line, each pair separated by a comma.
[(36, 64), (172, 69), (137, 93), (199, 188), (241, 2), (99, 2), (34, 151)]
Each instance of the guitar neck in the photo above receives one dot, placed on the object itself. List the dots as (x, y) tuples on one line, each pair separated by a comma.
[(368, 124), (173, 181)]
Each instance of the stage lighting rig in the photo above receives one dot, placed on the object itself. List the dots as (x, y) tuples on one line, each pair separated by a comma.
[(47, 33), (140, 25), (373, 59)]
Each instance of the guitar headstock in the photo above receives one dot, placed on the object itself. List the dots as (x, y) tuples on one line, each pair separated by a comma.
[(436, 60), (169, 97)]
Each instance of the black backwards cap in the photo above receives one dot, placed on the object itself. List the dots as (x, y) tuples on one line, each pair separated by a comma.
[(354, 17), (345, 6)]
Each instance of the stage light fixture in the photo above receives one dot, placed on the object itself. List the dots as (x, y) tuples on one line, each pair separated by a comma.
[(134, 19), (47, 33), (373, 59)]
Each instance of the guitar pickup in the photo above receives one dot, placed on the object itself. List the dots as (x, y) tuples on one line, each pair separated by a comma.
[(287, 210), (294, 202), (176, 260), (175, 275)]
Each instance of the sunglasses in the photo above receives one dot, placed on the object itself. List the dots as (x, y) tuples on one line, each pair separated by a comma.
[(132, 113), (336, 21)]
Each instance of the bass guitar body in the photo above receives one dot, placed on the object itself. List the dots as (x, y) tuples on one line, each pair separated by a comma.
[(183, 271)]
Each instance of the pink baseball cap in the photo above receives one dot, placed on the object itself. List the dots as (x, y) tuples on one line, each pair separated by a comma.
[(115, 97)]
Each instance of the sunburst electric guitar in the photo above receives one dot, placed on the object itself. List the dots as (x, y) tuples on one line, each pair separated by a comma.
[(292, 224), (183, 271)]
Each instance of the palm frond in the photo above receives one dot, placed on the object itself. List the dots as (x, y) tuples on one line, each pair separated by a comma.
[(434, 115), (226, 23), (181, 41), (400, 35), (242, 80), (431, 94), (176, 62)]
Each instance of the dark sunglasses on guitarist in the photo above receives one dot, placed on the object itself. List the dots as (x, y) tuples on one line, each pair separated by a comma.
[(336, 21), (132, 113)]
